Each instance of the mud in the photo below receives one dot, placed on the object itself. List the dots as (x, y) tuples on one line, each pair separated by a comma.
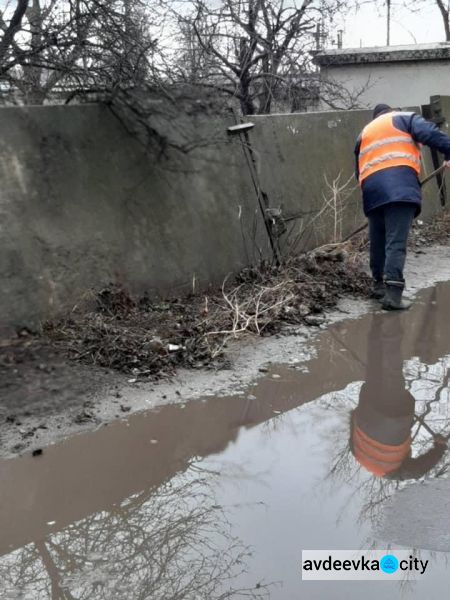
[(217, 497), (83, 398)]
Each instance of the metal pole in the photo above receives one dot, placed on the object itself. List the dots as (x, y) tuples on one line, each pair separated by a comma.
[(388, 2)]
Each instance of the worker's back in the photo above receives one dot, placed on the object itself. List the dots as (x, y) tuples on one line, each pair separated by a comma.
[(386, 143)]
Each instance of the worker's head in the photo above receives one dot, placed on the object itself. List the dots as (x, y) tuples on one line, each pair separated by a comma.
[(381, 109)]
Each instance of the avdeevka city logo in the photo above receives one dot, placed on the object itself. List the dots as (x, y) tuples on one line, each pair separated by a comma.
[(361, 565), (389, 563)]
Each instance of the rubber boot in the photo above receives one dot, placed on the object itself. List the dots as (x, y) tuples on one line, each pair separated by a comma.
[(378, 290), (393, 296)]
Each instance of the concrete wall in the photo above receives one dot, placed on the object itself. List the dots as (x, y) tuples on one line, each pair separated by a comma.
[(83, 203), (398, 84), (298, 155)]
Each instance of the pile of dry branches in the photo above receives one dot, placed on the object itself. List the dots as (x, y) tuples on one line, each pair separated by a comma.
[(149, 339)]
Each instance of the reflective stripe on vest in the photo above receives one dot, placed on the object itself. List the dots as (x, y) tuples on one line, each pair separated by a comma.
[(384, 146), (378, 458)]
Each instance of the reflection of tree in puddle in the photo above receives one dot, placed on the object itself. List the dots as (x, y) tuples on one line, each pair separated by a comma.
[(280, 422), (173, 542)]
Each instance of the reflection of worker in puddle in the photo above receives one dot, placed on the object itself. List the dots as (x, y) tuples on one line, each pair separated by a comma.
[(382, 422)]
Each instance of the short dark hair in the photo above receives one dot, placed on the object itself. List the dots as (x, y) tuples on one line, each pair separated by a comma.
[(380, 109)]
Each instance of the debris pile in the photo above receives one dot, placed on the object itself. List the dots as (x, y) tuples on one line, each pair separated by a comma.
[(149, 339), (434, 232)]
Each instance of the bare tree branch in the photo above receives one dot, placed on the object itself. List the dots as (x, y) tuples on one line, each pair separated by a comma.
[(11, 30)]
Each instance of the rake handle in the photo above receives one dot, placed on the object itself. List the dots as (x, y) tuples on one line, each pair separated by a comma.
[(433, 174)]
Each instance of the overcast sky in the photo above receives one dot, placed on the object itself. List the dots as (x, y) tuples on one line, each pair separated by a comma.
[(368, 25)]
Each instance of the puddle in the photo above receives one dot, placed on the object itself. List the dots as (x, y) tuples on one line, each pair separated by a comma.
[(216, 499)]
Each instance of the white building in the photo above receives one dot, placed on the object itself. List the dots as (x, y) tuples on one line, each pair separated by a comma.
[(397, 75)]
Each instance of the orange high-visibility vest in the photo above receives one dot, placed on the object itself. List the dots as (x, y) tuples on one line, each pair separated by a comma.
[(378, 458), (384, 146)]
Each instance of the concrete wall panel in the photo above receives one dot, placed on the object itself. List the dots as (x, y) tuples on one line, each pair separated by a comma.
[(83, 203)]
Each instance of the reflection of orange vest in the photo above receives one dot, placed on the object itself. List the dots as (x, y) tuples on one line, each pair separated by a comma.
[(380, 459), (384, 146)]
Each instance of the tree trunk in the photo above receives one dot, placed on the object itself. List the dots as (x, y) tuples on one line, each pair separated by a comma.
[(445, 17), (265, 99), (246, 100)]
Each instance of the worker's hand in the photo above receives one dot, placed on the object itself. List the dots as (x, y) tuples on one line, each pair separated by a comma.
[(446, 164)]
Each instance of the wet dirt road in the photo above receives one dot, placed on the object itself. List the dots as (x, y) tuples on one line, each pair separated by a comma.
[(217, 498)]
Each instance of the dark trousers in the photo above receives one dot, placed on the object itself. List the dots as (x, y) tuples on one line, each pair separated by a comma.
[(389, 227)]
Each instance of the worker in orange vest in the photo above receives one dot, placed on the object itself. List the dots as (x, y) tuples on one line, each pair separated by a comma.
[(388, 166)]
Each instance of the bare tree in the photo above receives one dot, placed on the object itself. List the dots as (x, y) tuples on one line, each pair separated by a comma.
[(254, 52), (256, 47), (75, 44)]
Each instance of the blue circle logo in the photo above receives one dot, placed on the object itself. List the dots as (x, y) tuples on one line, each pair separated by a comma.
[(389, 563)]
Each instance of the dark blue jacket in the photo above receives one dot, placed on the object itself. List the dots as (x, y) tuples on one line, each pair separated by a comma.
[(400, 184)]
